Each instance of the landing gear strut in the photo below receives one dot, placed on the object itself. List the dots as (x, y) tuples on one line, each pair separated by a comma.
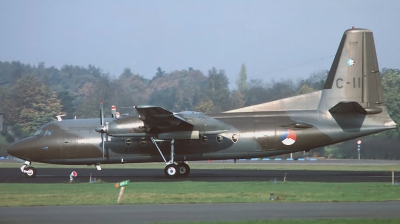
[(28, 170), (173, 168)]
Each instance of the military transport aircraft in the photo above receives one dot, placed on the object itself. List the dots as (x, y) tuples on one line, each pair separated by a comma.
[(350, 105)]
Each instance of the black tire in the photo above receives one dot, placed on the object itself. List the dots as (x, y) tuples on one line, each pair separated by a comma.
[(30, 172), (183, 169), (171, 170)]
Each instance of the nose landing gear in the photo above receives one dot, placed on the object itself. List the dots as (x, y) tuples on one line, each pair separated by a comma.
[(28, 170)]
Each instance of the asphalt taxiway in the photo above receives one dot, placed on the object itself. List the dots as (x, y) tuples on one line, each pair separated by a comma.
[(198, 212)]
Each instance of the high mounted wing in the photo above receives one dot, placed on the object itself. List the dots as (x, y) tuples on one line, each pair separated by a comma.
[(165, 124), (159, 118)]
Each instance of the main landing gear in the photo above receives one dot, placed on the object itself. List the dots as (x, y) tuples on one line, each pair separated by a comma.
[(173, 168), (28, 170), (180, 169)]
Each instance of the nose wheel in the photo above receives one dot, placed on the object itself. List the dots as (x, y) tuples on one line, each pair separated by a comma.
[(29, 171)]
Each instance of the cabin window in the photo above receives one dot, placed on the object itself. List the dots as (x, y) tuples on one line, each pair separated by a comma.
[(235, 137), (204, 139), (143, 141), (219, 138), (128, 142)]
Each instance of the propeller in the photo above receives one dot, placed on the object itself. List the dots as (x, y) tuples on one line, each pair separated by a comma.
[(104, 126)]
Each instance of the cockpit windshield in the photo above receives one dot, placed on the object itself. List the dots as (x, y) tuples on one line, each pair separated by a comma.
[(42, 132)]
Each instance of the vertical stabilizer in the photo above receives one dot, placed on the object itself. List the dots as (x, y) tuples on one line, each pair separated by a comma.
[(353, 83)]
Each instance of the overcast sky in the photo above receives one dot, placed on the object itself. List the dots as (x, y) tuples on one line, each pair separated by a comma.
[(274, 39)]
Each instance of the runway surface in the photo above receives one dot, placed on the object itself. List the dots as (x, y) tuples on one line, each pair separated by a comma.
[(198, 212), (60, 175)]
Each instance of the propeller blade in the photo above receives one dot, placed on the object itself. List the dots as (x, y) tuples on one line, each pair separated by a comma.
[(102, 142), (101, 113)]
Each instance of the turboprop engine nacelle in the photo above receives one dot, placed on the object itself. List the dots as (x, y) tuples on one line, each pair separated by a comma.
[(129, 126)]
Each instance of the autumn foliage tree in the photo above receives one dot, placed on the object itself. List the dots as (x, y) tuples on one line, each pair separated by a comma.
[(391, 91), (32, 104)]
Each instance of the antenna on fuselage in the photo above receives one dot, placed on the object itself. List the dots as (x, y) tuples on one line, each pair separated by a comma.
[(113, 111), (59, 117)]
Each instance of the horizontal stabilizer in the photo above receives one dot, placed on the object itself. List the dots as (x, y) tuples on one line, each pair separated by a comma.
[(307, 101), (353, 108)]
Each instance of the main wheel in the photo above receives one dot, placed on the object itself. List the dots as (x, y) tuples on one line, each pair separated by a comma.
[(30, 172), (171, 170), (183, 169)]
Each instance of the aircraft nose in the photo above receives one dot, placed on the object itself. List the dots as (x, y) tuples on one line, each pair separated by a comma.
[(17, 149)]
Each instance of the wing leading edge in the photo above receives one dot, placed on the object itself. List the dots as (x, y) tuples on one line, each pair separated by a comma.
[(158, 117)]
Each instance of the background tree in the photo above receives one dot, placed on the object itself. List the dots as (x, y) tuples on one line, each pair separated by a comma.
[(160, 73), (217, 89), (257, 92), (33, 104), (315, 81), (391, 91), (4, 99), (130, 90), (67, 104), (178, 90), (241, 81), (305, 89), (282, 89), (205, 106), (237, 99)]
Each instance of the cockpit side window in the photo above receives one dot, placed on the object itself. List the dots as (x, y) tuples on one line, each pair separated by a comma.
[(38, 132), (48, 132)]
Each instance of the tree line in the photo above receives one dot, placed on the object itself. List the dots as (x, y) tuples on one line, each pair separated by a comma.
[(34, 95)]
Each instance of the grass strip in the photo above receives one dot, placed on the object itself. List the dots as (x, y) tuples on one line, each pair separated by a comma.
[(192, 192)]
